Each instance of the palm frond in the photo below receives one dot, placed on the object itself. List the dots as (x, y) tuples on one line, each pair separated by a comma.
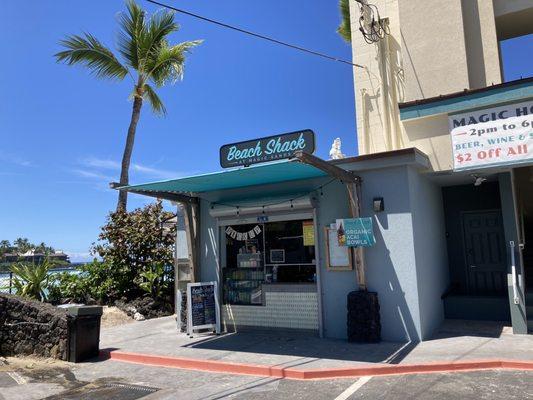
[(133, 29), (157, 105), (94, 55), (344, 29), (168, 64), (160, 26)]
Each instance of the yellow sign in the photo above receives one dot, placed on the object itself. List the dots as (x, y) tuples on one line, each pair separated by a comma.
[(308, 233)]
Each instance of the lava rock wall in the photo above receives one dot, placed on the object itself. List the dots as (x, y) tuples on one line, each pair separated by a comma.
[(29, 327)]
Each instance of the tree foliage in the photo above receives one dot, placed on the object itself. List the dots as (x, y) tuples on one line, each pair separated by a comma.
[(344, 29), (137, 255), (135, 245), (144, 54), (22, 245)]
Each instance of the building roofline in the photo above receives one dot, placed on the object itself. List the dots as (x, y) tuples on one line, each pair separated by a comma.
[(465, 92), (381, 155)]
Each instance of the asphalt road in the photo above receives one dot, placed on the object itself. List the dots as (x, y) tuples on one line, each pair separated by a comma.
[(123, 381)]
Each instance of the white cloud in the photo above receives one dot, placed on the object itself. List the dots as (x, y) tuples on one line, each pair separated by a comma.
[(101, 163), (93, 166), (14, 159), (154, 172), (93, 175)]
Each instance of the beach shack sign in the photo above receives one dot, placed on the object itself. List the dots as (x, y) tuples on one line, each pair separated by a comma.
[(492, 137), (266, 149)]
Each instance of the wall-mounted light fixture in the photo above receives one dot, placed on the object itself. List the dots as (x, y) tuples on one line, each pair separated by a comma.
[(378, 204)]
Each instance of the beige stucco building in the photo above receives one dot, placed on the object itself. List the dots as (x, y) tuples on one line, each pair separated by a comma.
[(433, 48)]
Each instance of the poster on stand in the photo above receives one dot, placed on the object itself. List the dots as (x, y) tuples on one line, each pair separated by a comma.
[(202, 307)]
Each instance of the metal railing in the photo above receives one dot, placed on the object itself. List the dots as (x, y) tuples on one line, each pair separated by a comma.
[(6, 282)]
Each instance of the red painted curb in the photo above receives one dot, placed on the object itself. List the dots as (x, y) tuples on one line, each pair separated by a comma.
[(292, 373)]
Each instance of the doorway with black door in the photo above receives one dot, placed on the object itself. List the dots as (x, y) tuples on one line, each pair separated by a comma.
[(476, 253)]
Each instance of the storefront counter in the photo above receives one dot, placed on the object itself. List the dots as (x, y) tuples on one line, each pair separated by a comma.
[(285, 305)]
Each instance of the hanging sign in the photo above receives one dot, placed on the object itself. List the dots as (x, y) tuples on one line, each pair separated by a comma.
[(308, 233), (202, 306), (493, 136), (241, 236), (266, 149), (355, 232)]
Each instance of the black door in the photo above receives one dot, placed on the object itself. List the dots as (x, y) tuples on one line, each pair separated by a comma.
[(484, 244)]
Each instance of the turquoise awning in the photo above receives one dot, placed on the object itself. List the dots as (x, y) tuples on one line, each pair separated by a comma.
[(507, 92), (232, 179)]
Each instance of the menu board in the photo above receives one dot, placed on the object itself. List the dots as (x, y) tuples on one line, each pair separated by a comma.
[(339, 258), (202, 306)]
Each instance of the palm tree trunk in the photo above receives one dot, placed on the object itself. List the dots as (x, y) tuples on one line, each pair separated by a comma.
[(128, 149)]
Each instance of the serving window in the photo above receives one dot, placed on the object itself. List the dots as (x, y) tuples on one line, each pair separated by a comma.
[(264, 254)]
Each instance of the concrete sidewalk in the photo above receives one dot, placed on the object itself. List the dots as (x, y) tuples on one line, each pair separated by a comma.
[(456, 341)]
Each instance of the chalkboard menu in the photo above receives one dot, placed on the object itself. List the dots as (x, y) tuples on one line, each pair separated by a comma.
[(202, 306)]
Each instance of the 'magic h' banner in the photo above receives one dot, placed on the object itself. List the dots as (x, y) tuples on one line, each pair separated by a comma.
[(492, 137)]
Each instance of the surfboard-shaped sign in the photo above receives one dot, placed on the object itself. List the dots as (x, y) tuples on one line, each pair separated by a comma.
[(267, 149)]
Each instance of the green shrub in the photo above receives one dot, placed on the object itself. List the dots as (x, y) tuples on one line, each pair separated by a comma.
[(66, 285), (156, 281), (134, 247)]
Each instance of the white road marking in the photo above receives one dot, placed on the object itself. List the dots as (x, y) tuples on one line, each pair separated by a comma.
[(17, 377), (353, 388)]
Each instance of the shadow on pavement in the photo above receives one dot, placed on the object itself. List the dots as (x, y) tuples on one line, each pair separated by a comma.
[(304, 346)]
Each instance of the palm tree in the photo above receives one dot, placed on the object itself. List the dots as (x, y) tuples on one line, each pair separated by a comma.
[(146, 57), (22, 245), (344, 29)]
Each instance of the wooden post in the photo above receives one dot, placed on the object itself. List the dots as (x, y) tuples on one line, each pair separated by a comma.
[(190, 212), (353, 186), (176, 268), (354, 194)]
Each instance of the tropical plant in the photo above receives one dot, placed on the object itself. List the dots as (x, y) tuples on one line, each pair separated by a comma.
[(152, 281), (147, 58), (344, 29), (70, 287), (32, 280), (95, 281)]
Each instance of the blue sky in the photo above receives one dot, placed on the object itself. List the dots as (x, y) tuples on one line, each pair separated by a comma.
[(62, 131)]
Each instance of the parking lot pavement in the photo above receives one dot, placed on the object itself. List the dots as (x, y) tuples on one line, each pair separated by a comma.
[(479, 385), (131, 381)]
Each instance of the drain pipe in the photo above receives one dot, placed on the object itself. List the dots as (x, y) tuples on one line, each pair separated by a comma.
[(384, 93), (391, 86)]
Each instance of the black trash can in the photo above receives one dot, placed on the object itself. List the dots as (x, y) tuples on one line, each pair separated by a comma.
[(84, 332)]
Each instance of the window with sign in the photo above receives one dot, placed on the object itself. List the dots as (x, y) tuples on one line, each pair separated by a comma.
[(266, 254)]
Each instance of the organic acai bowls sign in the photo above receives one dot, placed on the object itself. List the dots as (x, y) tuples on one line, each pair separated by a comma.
[(266, 149)]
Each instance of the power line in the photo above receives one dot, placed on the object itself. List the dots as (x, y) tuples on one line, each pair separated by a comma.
[(257, 35)]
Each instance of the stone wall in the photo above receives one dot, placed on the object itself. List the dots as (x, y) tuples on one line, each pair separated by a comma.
[(30, 327)]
